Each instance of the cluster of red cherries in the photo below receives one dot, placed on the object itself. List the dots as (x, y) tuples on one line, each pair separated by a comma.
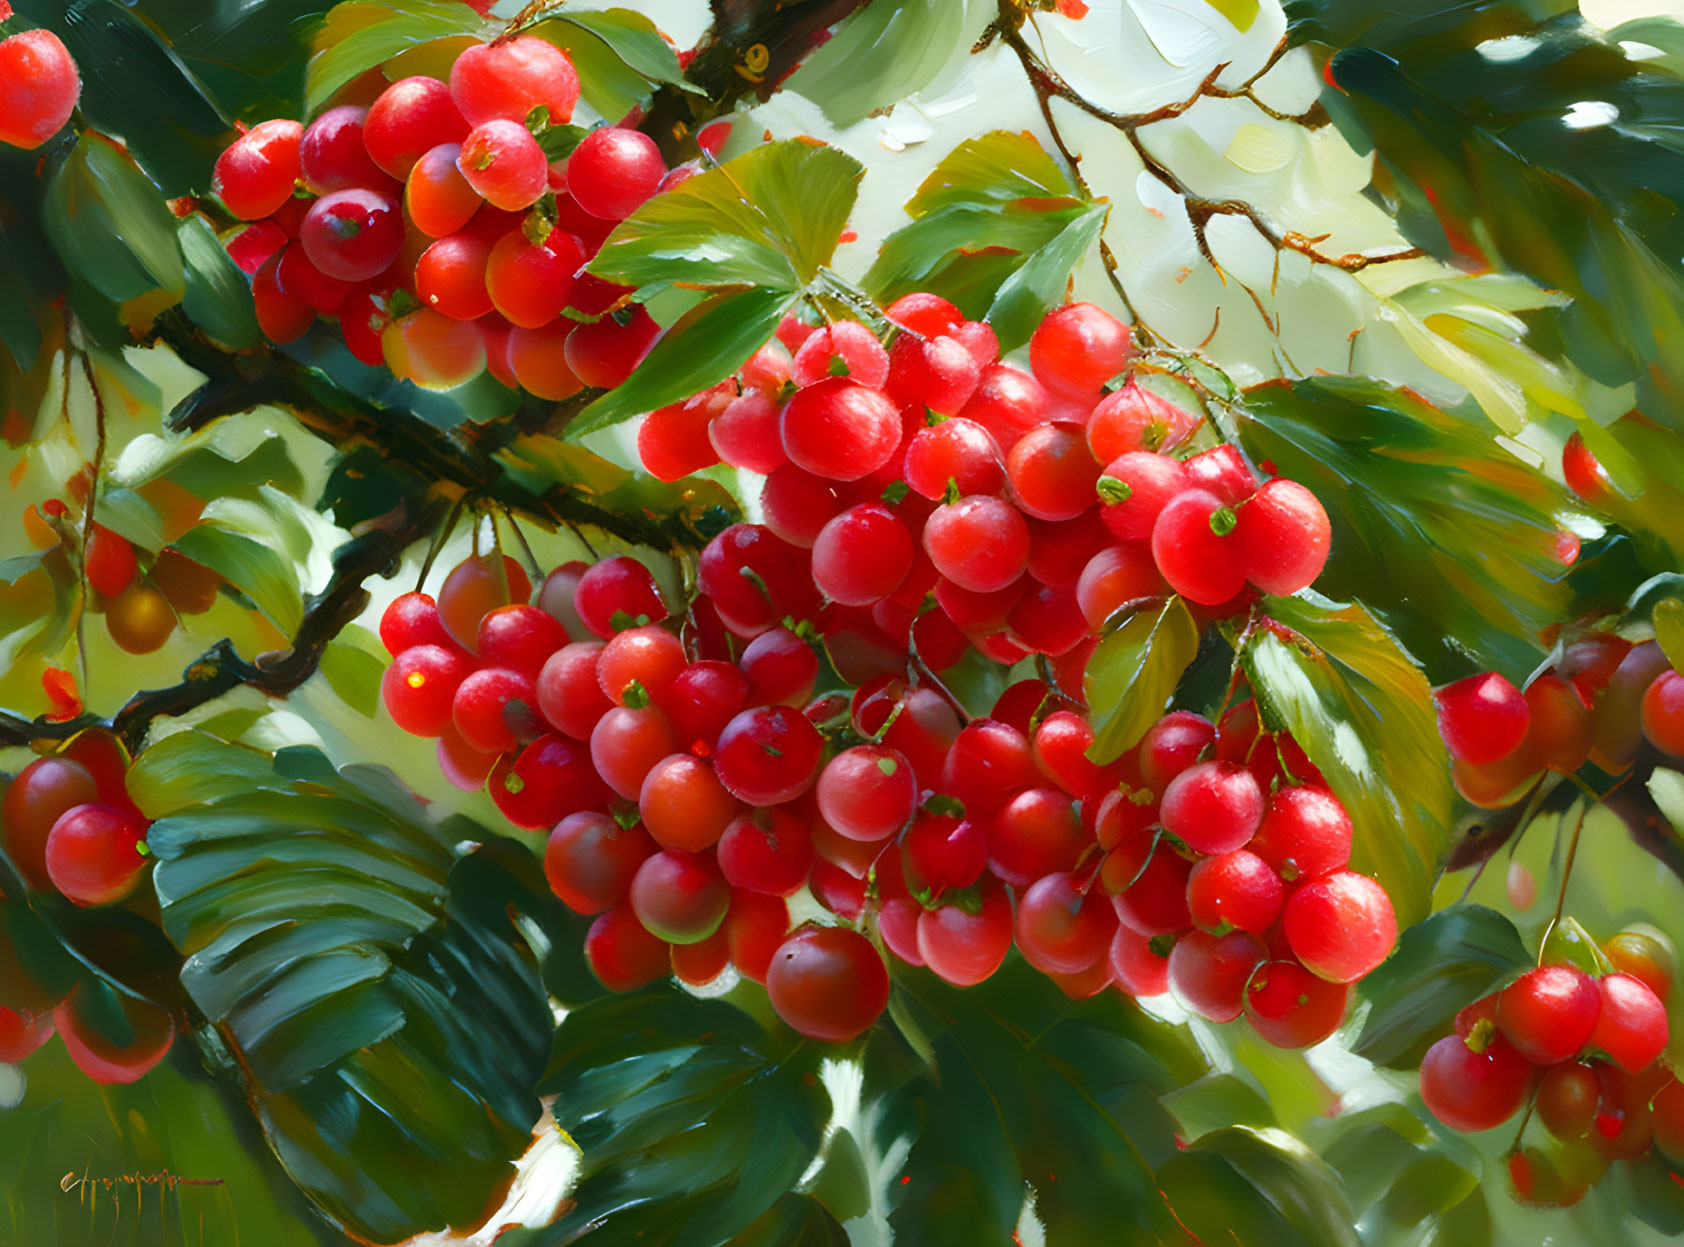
[(1596, 703), (434, 227), (693, 776), (1584, 1051), (1033, 505), (70, 827)]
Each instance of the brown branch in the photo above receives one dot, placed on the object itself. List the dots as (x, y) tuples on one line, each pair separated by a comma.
[(1048, 85), (221, 670)]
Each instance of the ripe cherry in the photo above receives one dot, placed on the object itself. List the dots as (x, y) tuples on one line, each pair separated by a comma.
[(1115, 577), (843, 349), (509, 78), (1138, 968), (419, 688), (1548, 1014), (1208, 973), (1283, 535), (1214, 807), (618, 593), (42, 792), (93, 855), (590, 860), (839, 429), (965, 944), (569, 695), (1134, 490), (1134, 418), (1194, 545), (626, 745), (613, 170), (768, 755), (1236, 889), (411, 117), (1172, 745), (755, 927), (679, 897), (684, 805), (980, 543), (504, 164), (1631, 1026), (622, 953), (1052, 472), (1471, 1090), (1568, 1096), (769, 850), (1077, 348), (1482, 718), (549, 780), (439, 200), (1063, 928), (867, 792), (957, 450), (1149, 886), (109, 562), (780, 668), (1292, 1008), (39, 87), (333, 155), (519, 636), (1663, 713), (828, 983), (353, 235), (862, 555), (1340, 925), (1305, 833), (639, 665), (258, 171)]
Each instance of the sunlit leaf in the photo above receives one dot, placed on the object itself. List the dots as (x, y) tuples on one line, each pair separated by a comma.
[(1133, 672), (358, 35), (1363, 712)]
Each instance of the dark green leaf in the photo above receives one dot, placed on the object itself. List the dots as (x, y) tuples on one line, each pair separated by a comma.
[(389, 1037), (771, 217), (110, 225), (1361, 709), (1041, 284), (1441, 965), (988, 207), (144, 93), (794, 1221), (351, 44), (540, 461), (1027, 1087), (1405, 23), (1256, 1188), (217, 298), (30, 276), (1215, 1101), (1466, 532), (703, 348), (692, 1121), (1133, 673), (558, 141)]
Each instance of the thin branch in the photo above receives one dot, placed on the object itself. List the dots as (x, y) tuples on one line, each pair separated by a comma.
[(220, 669)]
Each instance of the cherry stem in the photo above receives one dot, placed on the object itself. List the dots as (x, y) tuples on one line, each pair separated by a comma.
[(439, 538), (1566, 874), (525, 546)]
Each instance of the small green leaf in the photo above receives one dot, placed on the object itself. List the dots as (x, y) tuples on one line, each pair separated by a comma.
[(997, 228), (559, 140), (353, 664), (1440, 966), (360, 45), (1668, 617), (217, 298), (771, 217), (1040, 285), (704, 347), (1568, 943), (1666, 787), (263, 573), (1363, 713), (1133, 673)]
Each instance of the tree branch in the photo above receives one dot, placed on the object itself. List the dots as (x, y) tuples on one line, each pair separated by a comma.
[(220, 670)]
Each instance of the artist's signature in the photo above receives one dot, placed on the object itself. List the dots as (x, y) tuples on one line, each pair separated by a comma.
[(89, 1188)]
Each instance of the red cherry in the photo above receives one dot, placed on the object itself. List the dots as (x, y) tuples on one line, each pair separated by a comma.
[(93, 854), (828, 983), (1208, 973), (1340, 926), (1548, 1014), (1292, 1008), (1631, 1026), (1469, 1090)]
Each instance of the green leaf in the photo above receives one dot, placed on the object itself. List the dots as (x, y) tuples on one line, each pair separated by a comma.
[(692, 1121), (1666, 787), (216, 298), (388, 1039), (539, 461), (1467, 533), (618, 53), (771, 217), (1645, 463), (350, 43), (353, 664), (1363, 713), (110, 226), (1441, 965), (1041, 284), (1668, 618), (558, 141), (1255, 1188), (794, 1221), (1028, 1087), (1568, 943), (886, 51), (263, 573), (990, 205), (707, 345), (1133, 673)]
